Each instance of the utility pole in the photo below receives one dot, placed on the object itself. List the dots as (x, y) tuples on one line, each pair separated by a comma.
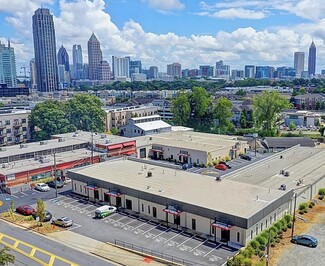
[(55, 180), (294, 216), (268, 248), (92, 147)]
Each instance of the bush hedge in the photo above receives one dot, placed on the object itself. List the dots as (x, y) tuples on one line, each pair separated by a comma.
[(321, 192)]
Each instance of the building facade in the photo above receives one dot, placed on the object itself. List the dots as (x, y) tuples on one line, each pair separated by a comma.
[(121, 67), (250, 72), (153, 72), (45, 51), (174, 70), (299, 63), (33, 79), (104, 71), (312, 59), (8, 65), (94, 57), (78, 68)]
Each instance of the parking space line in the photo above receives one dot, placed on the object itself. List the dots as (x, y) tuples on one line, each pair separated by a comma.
[(174, 236), (142, 224), (199, 245), (212, 250), (186, 241), (14, 196), (122, 218), (151, 229), (162, 233)]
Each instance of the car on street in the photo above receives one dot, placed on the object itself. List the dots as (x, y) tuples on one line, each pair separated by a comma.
[(226, 164), (305, 240), (63, 221), (221, 166), (246, 157), (42, 187), (25, 210), (47, 217), (186, 166), (59, 184), (104, 211)]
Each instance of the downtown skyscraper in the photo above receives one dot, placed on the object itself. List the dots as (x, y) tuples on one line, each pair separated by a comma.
[(8, 65), (45, 51), (78, 68), (94, 57), (299, 63), (312, 59)]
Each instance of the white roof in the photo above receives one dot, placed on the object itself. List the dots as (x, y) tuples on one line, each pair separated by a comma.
[(147, 126)]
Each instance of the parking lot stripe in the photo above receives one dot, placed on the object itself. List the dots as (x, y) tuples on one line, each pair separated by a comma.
[(139, 225), (212, 250), (122, 218), (151, 229), (14, 196), (162, 233), (174, 236), (199, 245), (185, 241)]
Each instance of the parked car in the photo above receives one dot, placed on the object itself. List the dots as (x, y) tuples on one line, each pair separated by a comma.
[(59, 184), (25, 210), (246, 157), (104, 211), (186, 166), (226, 164), (42, 187), (47, 218), (305, 240), (63, 222), (221, 166)]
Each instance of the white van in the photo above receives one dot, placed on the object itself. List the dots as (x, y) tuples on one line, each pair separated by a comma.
[(104, 211)]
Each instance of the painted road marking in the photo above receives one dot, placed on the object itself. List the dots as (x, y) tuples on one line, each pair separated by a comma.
[(151, 229), (174, 236), (31, 254), (199, 245), (162, 232), (212, 250), (186, 241)]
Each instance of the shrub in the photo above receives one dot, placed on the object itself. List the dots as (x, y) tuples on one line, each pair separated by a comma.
[(254, 244), (261, 240), (301, 212), (247, 262), (321, 197), (227, 158), (283, 223), (260, 263), (238, 260), (248, 252), (274, 229), (289, 225), (311, 205), (321, 192), (288, 218), (284, 229), (277, 240), (262, 247), (303, 206), (278, 225), (230, 262)]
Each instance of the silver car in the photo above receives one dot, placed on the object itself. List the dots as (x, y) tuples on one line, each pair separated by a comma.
[(63, 222)]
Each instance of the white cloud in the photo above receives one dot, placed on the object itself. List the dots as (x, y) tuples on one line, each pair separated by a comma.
[(165, 5), (235, 13)]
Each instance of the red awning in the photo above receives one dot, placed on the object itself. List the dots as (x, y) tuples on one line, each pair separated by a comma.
[(130, 143), (115, 146), (173, 211), (222, 226), (91, 187), (113, 194), (129, 152)]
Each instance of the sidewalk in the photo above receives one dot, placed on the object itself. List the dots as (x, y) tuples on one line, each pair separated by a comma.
[(114, 254)]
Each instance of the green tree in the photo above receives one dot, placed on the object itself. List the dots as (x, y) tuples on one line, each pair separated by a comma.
[(85, 113), (317, 107), (49, 118), (201, 103), (302, 91), (40, 211), (303, 106), (115, 131), (5, 257), (223, 114), (12, 210), (243, 119), (292, 126), (267, 107), (181, 109)]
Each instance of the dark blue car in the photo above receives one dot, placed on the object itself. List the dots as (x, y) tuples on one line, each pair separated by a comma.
[(305, 240)]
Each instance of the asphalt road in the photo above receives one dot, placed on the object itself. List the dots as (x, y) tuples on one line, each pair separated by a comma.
[(50, 246)]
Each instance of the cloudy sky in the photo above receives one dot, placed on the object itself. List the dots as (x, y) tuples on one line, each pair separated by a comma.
[(191, 32)]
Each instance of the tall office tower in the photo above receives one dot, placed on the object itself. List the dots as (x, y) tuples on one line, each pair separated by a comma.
[(153, 72), (32, 68), (8, 73), (63, 58), (174, 70), (94, 56), (222, 71), (312, 59), (264, 72), (45, 51), (299, 63), (78, 69), (250, 71), (206, 71), (237, 74), (121, 67), (135, 67), (104, 70)]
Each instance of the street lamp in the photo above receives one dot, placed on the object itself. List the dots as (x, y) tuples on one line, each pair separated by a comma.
[(255, 135), (294, 215)]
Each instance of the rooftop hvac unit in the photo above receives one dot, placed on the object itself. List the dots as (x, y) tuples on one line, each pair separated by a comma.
[(44, 142), (61, 139), (3, 149), (102, 136), (5, 165), (23, 146), (107, 141), (45, 160)]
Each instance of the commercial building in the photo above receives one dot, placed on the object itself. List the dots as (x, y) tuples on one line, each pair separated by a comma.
[(14, 128), (309, 101), (104, 71), (94, 56), (250, 72), (5, 91), (189, 147), (78, 69), (33, 79), (206, 71), (224, 210), (142, 126), (153, 72), (312, 59), (264, 72), (121, 67), (302, 118), (118, 117), (45, 51), (299, 63), (174, 70), (8, 65)]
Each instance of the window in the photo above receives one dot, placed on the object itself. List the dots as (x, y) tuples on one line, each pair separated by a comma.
[(238, 237), (75, 187), (24, 128), (266, 223), (80, 188), (23, 120), (8, 130), (142, 207), (148, 209), (270, 220), (172, 157), (261, 227), (213, 230), (9, 139), (7, 122), (193, 224), (275, 216), (257, 229), (251, 234)]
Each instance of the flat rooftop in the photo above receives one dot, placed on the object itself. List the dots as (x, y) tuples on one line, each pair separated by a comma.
[(189, 140), (32, 164), (98, 138), (301, 163), (226, 196)]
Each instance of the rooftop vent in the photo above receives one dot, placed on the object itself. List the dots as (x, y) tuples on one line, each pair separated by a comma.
[(23, 146), (44, 160), (44, 142), (149, 174), (61, 139), (5, 165), (3, 149)]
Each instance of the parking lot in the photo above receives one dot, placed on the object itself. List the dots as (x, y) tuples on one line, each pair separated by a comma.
[(144, 232)]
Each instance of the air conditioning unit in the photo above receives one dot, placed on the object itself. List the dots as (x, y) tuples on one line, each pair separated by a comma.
[(3, 149), (44, 160), (44, 142), (5, 165), (61, 139), (23, 146)]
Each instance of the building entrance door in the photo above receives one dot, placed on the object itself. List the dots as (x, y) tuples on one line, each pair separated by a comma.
[(154, 212), (96, 194), (128, 204), (225, 235), (118, 202)]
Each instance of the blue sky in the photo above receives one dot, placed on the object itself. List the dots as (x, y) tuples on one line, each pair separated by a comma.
[(159, 32)]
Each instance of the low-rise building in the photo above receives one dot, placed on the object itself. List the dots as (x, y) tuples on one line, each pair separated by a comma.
[(302, 118)]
